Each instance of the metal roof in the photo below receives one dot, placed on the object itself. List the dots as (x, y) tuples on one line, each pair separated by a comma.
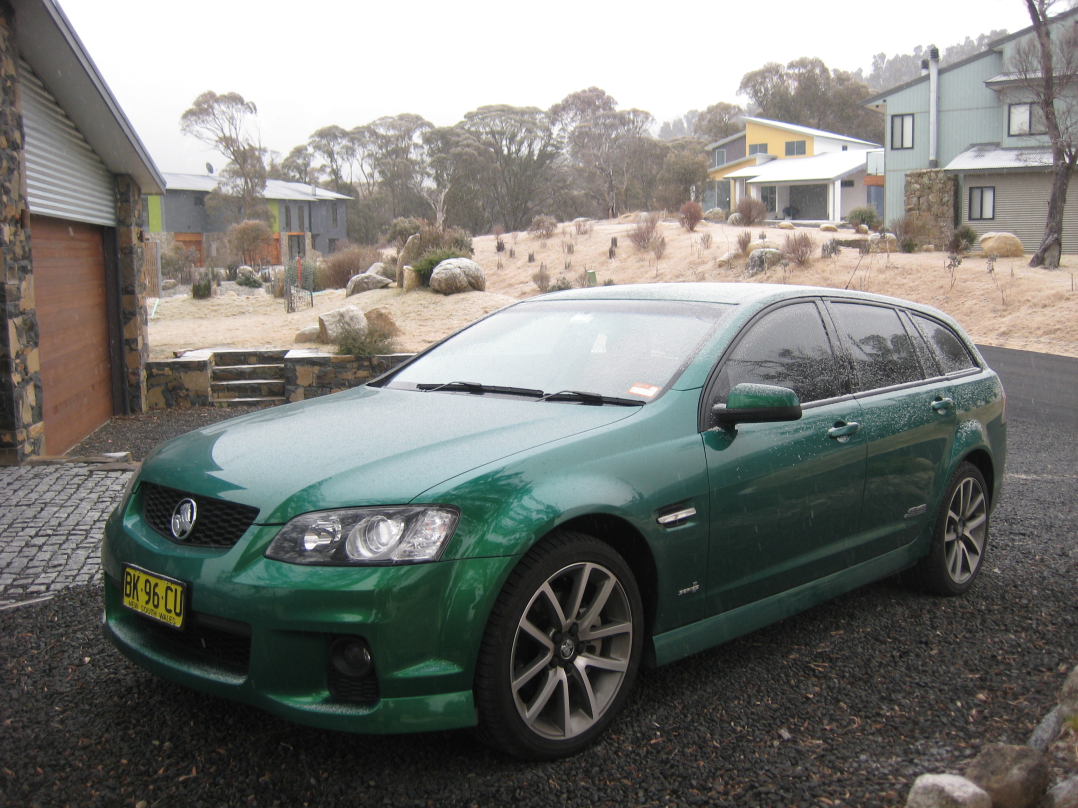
[(724, 140), (808, 130), (991, 157), (275, 189), (52, 48), (821, 168)]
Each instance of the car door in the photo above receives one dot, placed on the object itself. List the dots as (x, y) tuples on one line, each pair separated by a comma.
[(907, 420), (784, 496)]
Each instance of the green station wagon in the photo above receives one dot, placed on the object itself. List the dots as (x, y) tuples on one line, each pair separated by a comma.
[(501, 531)]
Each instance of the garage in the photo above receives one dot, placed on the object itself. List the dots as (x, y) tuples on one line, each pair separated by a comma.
[(73, 329)]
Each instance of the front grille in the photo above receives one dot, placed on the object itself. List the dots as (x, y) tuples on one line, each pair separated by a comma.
[(217, 524), (226, 643), (350, 689)]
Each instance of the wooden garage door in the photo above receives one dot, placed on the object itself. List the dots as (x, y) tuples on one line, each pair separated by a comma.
[(72, 319)]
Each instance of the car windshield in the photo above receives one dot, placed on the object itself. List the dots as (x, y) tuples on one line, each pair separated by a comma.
[(617, 349)]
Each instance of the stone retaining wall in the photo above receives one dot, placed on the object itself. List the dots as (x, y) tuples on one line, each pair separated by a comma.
[(931, 196), (177, 383)]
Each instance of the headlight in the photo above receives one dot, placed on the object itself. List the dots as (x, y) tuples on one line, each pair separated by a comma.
[(365, 536)]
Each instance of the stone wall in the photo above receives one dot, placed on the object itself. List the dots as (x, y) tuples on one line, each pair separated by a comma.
[(130, 257), (179, 383), (931, 196), (22, 427)]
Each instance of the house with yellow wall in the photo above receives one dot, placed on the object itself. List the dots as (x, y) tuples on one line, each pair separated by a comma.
[(825, 182)]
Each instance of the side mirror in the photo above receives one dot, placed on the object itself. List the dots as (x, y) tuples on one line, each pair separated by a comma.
[(757, 404)]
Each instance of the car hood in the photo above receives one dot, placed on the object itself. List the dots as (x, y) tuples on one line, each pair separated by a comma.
[(369, 446)]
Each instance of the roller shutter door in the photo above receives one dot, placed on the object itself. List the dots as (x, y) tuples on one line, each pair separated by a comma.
[(72, 317)]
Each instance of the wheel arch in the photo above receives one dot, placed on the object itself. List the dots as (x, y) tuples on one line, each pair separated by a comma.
[(980, 459)]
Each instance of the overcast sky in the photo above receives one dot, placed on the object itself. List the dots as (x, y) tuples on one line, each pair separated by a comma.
[(314, 63)]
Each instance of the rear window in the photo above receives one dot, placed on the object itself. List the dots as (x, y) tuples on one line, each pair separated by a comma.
[(882, 352), (950, 350)]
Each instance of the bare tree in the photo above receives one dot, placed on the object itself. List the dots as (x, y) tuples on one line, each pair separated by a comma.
[(1045, 71)]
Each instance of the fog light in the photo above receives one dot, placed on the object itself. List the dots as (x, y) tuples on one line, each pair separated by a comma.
[(351, 657)]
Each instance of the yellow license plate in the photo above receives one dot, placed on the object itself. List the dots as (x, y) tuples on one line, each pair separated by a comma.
[(163, 599)]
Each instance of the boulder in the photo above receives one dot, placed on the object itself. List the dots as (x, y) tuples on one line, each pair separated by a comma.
[(381, 320), (169, 283), (1047, 731), (455, 275), (715, 215), (411, 279), (735, 219), (1062, 795), (828, 228), (312, 333), (763, 244), (245, 272), (862, 229), (1068, 696), (946, 791), (725, 259), (1005, 245), (385, 270), (761, 259), (333, 323), (365, 282), (786, 226), (928, 248), (1013, 776), (883, 242)]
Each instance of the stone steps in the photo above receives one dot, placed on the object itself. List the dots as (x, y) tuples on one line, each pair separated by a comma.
[(243, 378)]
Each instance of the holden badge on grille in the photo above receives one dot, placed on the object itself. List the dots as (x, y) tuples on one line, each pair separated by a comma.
[(183, 518)]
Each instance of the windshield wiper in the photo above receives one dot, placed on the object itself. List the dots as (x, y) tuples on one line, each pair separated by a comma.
[(479, 389), (594, 399)]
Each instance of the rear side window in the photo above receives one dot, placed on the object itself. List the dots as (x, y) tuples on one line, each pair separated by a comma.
[(790, 348), (951, 351), (882, 352)]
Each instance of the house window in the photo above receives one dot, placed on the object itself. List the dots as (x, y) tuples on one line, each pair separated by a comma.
[(769, 196), (795, 147), (1025, 119), (718, 158), (200, 200), (334, 206), (902, 131), (757, 148), (845, 147), (847, 184), (288, 218), (982, 203)]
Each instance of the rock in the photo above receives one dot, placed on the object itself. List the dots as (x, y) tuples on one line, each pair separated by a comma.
[(381, 320), (786, 226), (411, 279), (862, 229), (385, 270), (761, 259), (1068, 696), (1013, 776), (946, 791), (1046, 731), (764, 244), (723, 260), (928, 248), (1005, 245), (1062, 795), (245, 272), (169, 283), (828, 228), (312, 333), (883, 242), (715, 215), (455, 275), (333, 323), (365, 282), (735, 219)]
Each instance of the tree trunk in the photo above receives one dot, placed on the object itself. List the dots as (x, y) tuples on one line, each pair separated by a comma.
[(1047, 254)]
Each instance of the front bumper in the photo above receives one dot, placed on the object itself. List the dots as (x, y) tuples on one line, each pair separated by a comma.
[(259, 631)]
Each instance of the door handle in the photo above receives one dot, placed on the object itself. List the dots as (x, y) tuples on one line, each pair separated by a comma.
[(841, 431), (941, 405)]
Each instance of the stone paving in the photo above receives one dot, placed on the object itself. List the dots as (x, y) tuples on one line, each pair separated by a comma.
[(51, 522)]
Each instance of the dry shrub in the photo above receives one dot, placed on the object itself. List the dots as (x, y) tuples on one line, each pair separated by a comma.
[(336, 269), (543, 226), (744, 239), (658, 247), (799, 248), (752, 211), (691, 214), (643, 232), (541, 279), (911, 232), (705, 241)]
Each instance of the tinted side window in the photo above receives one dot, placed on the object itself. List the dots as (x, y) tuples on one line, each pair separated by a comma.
[(882, 351), (788, 348), (949, 348), (924, 353)]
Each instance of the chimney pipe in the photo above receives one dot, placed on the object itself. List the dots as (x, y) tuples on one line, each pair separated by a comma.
[(933, 106)]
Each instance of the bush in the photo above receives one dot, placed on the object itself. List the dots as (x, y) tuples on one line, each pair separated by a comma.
[(910, 231), (743, 241), (250, 281), (799, 248), (830, 249), (543, 226), (400, 230), (691, 214), (337, 269), (962, 240), (541, 279), (909, 245), (375, 342), (752, 211), (658, 247), (248, 240), (642, 233), (177, 261), (864, 215), (561, 284), (202, 288), (424, 267)]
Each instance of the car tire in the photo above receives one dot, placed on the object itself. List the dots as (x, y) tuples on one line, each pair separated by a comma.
[(561, 649), (959, 537)]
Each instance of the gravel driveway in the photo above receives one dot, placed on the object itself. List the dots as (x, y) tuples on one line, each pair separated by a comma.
[(843, 705)]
